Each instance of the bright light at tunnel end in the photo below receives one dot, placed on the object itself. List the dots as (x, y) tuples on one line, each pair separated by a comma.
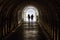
[(29, 10)]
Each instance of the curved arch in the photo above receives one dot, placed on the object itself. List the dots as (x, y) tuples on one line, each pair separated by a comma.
[(29, 10)]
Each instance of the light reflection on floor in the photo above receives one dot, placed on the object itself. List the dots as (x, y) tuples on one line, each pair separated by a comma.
[(30, 32)]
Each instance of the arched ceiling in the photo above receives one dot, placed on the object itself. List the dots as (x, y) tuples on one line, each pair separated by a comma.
[(49, 8)]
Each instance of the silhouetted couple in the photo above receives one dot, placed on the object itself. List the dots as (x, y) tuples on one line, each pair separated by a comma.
[(30, 17)]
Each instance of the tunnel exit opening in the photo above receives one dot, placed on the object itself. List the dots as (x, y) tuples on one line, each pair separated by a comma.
[(30, 10)]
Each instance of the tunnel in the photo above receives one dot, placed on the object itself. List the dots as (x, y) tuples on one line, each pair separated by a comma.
[(15, 25)]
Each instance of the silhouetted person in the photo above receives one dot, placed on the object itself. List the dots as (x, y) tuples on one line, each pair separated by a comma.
[(28, 17), (32, 17)]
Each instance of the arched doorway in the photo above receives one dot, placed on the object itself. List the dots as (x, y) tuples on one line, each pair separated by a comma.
[(30, 10)]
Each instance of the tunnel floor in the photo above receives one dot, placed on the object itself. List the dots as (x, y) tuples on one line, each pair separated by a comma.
[(28, 31)]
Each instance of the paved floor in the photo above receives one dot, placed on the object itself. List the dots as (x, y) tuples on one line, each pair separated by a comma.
[(28, 31)]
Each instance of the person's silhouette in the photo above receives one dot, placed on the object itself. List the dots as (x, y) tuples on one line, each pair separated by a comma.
[(28, 17), (32, 17)]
